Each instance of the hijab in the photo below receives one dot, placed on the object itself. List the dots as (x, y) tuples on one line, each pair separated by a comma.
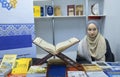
[(93, 47)]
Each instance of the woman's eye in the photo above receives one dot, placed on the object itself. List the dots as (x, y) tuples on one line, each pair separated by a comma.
[(94, 29), (89, 29)]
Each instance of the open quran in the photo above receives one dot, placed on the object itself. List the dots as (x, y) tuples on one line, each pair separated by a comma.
[(55, 49)]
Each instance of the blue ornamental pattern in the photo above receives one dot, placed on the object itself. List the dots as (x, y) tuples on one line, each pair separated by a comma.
[(17, 29)]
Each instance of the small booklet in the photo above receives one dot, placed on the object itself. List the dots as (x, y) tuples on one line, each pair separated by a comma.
[(91, 67), (76, 74), (8, 61), (55, 49)]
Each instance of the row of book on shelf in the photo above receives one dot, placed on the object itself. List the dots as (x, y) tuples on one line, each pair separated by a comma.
[(11, 66), (49, 10)]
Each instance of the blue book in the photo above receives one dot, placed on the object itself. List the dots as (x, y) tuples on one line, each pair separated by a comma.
[(42, 11), (113, 73), (49, 10), (113, 63), (56, 70)]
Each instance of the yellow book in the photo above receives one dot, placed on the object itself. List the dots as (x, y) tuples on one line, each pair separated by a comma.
[(22, 66), (57, 11), (8, 61), (37, 11), (91, 67)]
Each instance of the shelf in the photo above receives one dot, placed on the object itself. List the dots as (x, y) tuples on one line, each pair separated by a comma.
[(41, 0), (96, 16), (60, 17)]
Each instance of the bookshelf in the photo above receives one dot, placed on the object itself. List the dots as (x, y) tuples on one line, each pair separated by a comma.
[(55, 29)]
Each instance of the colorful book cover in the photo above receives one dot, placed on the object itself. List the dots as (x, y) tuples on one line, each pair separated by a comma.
[(70, 10), (49, 10), (79, 10), (37, 11), (8, 61), (21, 66)]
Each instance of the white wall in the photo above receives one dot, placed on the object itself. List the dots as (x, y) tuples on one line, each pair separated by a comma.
[(112, 26)]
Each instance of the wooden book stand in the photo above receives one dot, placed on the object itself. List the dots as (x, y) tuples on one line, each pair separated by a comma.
[(63, 57)]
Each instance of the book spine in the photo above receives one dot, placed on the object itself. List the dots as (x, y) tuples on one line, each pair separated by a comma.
[(42, 11)]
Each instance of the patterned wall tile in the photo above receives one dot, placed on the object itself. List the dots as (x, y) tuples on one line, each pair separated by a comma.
[(17, 29)]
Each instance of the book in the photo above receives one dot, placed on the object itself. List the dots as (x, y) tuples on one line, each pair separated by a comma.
[(16, 75), (103, 65), (21, 66), (55, 61), (114, 64), (8, 61), (42, 11), (76, 74), (91, 67), (57, 11), (56, 70), (79, 10), (37, 71), (70, 10), (96, 74), (49, 10), (113, 73), (37, 11), (55, 49), (4, 72)]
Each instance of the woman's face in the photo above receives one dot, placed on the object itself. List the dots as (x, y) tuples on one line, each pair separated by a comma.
[(92, 30)]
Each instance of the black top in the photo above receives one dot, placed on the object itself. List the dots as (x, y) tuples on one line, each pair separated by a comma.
[(109, 57)]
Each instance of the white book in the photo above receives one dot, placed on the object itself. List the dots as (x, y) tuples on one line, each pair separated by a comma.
[(96, 74), (76, 74), (4, 72)]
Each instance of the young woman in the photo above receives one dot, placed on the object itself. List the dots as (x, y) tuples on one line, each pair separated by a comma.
[(94, 47)]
